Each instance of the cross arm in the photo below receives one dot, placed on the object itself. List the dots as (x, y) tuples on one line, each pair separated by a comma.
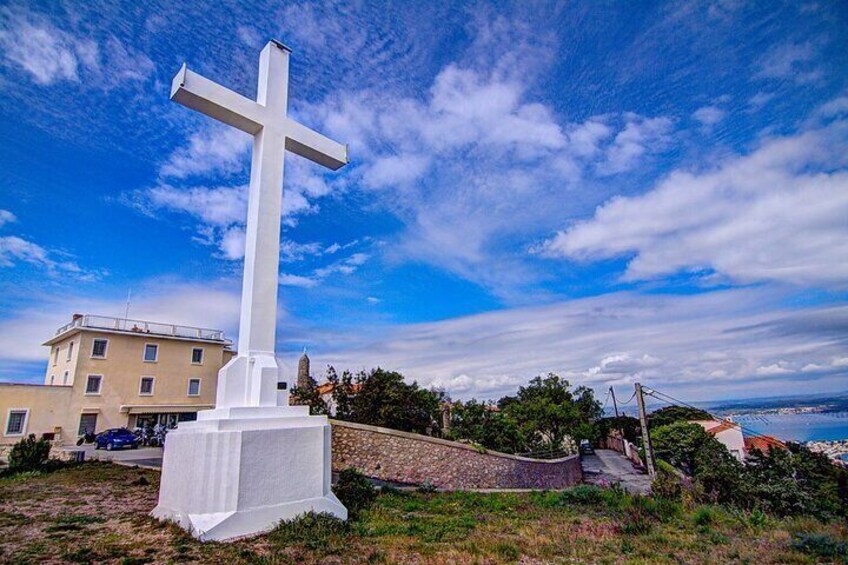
[(201, 94), (308, 143)]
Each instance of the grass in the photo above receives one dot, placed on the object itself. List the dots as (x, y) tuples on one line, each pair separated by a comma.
[(97, 513)]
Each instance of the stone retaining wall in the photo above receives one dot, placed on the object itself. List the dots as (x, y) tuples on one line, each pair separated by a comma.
[(407, 458)]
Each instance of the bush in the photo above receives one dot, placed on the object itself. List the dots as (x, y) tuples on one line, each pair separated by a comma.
[(703, 517), (668, 484), (820, 545), (355, 491), (427, 487), (314, 531), (582, 494), (29, 454), (638, 516)]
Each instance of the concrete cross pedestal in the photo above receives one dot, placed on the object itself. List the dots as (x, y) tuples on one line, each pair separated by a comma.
[(253, 460)]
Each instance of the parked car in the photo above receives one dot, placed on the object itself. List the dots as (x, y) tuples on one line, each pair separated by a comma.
[(586, 447), (116, 438)]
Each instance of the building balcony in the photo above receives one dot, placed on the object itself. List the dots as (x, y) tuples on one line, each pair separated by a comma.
[(144, 327)]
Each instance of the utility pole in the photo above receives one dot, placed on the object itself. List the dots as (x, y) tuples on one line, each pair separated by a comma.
[(646, 434), (614, 403)]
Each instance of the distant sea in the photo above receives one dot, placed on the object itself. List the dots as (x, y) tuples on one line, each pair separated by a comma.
[(797, 427)]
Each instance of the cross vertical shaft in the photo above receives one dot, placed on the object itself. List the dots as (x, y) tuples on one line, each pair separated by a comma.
[(251, 378)]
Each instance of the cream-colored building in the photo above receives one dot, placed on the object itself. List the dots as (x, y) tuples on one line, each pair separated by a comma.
[(112, 372)]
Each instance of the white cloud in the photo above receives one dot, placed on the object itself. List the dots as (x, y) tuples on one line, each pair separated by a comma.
[(717, 344), (287, 279), (220, 150), (346, 266), (641, 136), (211, 304), (232, 243), (709, 115), (14, 249), (220, 206), (249, 36), (790, 60), (777, 213), (477, 162), (6, 217), (51, 54), (760, 99), (215, 153), (779, 368)]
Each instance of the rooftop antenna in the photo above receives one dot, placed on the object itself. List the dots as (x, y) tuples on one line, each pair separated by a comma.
[(127, 310)]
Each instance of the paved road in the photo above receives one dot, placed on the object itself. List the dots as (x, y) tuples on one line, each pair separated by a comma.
[(612, 467), (143, 456)]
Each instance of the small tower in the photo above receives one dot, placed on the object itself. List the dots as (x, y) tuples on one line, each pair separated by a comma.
[(303, 371)]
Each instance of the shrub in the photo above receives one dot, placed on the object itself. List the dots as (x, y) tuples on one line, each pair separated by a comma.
[(29, 454), (668, 484), (314, 531), (820, 545), (638, 516), (703, 517), (427, 487), (582, 494), (355, 491), (757, 519)]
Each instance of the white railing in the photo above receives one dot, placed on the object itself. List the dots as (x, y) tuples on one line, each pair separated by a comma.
[(141, 326)]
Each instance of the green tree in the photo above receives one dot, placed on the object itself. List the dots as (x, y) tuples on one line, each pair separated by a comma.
[(547, 412), (485, 424), (627, 424), (308, 396), (344, 389), (671, 414), (679, 443), (383, 399), (719, 475), (795, 481)]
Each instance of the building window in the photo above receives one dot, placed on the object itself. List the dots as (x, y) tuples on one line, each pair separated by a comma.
[(194, 387), (92, 384), (98, 348), (65, 378), (16, 422), (197, 356), (88, 423), (52, 378), (70, 350), (151, 352), (55, 355), (146, 386)]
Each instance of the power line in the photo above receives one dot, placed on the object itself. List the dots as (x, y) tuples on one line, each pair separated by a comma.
[(628, 401), (672, 400)]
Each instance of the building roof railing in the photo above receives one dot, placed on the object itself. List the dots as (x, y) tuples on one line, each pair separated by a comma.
[(109, 323)]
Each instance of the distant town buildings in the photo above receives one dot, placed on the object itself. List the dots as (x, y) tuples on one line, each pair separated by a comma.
[(836, 450)]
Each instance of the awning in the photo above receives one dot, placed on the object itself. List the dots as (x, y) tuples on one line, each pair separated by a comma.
[(164, 408)]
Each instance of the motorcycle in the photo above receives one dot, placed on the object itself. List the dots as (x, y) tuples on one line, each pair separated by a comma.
[(86, 438)]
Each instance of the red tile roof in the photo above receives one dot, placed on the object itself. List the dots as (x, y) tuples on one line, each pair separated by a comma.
[(327, 388), (763, 443)]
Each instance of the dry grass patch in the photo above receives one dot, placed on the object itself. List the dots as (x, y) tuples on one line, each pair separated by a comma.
[(98, 513)]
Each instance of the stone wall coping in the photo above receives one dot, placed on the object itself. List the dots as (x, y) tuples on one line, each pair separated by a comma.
[(445, 442)]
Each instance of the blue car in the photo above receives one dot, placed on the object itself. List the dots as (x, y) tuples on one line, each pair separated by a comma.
[(116, 438)]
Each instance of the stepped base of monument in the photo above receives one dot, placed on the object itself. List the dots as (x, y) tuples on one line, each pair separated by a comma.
[(239, 473), (222, 526)]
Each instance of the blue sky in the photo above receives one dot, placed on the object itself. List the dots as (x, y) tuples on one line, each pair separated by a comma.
[(618, 192)]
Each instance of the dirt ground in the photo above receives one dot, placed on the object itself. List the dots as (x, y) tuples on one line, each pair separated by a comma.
[(98, 513)]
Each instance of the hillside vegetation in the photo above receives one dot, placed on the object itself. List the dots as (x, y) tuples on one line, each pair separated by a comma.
[(97, 513)]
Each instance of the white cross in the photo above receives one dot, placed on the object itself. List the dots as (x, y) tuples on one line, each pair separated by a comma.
[(273, 132)]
